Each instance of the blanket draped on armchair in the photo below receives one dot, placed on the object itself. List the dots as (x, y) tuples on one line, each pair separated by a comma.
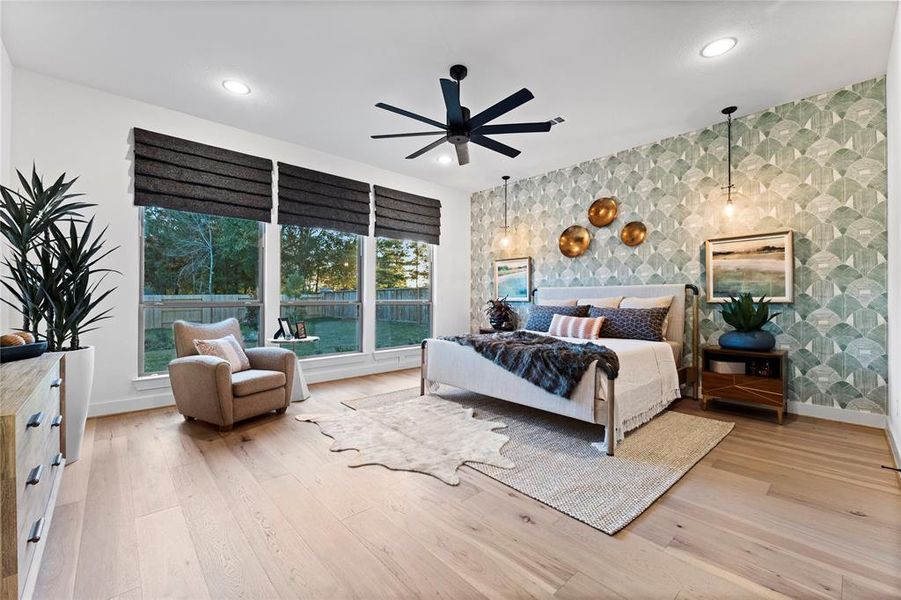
[(550, 363)]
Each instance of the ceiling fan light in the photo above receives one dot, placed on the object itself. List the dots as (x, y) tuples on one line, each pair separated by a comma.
[(718, 47)]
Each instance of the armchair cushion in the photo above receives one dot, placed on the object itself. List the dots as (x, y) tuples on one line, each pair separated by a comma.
[(225, 347), (252, 381)]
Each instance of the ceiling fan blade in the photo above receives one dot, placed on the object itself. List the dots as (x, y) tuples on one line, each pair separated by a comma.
[(451, 93), (422, 151), (515, 128), (407, 113), (462, 154), (400, 135), (491, 144), (504, 106)]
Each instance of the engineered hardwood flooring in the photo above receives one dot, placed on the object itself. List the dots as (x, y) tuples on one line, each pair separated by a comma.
[(161, 508)]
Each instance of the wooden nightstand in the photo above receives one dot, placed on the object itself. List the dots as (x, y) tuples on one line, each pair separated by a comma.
[(760, 378)]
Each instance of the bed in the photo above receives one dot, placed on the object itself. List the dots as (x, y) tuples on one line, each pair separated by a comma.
[(650, 376)]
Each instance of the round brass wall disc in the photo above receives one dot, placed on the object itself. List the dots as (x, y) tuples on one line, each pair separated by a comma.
[(574, 241), (602, 212), (633, 233)]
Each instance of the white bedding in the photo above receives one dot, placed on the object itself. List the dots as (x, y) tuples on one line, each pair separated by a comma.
[(648, 381)]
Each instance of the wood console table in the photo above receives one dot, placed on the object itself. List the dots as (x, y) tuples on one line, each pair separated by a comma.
[(761, 382)]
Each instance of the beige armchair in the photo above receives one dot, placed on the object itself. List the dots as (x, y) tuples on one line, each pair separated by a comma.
[(206, 389)]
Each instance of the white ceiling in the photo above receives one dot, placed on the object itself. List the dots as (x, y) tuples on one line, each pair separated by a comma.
[(620, 73)]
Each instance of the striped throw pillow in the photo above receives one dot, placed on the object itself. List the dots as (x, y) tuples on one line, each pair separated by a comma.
[(585, 328), (228, 348)]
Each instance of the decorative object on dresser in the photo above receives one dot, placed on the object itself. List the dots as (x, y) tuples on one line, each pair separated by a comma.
[(602, 212), (32, 412), (761, 380), (748, 320), (56, 281), (633, 233), (762, 264), (19, 346), (501, 315), (513, 279), (574, 241)]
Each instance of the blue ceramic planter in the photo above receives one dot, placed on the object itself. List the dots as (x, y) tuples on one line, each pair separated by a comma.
[(759, 341)]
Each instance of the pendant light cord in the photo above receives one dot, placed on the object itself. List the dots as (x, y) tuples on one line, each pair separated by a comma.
[(729, 155), (505, 178)]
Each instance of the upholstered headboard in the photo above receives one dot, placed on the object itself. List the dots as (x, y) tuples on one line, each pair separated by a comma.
[(675, 330)]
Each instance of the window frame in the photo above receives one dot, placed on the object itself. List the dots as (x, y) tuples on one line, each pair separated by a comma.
[(259, 302), (301, 303), (430, 302)]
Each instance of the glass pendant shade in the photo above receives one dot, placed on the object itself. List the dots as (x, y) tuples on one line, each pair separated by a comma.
[(506, 240)]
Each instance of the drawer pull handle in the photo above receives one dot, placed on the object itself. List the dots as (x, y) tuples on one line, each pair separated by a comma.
[(57, 421), (35, 420), (56, 383), (34, 477), (57, 460), (37, 530)]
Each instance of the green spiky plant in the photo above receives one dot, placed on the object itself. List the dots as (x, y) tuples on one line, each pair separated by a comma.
[(744, 314), (53, 272)]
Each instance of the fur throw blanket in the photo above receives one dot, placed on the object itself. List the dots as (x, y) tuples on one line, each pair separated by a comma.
[(550, 363)]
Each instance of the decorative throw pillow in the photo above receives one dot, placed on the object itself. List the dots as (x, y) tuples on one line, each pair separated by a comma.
[(553, 302), (657, 302), (540, 316), (632, 323), (584, 328), (228, 348), (611, 302)]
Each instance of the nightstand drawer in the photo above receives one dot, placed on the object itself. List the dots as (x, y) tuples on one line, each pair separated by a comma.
[(761, 390)]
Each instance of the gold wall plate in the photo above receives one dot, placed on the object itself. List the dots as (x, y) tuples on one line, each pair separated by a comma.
[(574, 241), (602, 212), (633, 233)]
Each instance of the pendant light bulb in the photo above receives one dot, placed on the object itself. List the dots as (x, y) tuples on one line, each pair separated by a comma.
[(506, 241), (729, 209)]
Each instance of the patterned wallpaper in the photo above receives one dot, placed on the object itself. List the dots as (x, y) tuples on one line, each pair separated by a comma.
[(817, 166)]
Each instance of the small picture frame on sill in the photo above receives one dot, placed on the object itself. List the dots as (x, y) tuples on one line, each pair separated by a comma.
[(284, 329), (300, 330)]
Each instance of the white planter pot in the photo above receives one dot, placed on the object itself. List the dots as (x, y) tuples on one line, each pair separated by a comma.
[(79, 381)]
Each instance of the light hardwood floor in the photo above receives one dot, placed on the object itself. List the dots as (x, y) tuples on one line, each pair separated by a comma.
[(161, 508)]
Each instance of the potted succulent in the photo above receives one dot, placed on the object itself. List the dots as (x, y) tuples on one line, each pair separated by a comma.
[(54, 279), (501, 314), (748, 318)]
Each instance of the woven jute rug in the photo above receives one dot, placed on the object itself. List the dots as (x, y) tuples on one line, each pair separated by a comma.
[(555, 463)]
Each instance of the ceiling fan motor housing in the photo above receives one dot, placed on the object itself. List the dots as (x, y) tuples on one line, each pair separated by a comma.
[(459, 135)]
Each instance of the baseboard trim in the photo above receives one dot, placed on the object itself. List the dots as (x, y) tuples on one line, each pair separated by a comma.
[(894, 446), (831, 413), (116, 407)]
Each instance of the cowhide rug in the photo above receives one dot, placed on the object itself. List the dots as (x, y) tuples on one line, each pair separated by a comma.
[(425, 434)]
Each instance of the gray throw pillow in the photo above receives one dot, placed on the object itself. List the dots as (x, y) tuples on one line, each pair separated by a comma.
[(540, 316), (632, 323)]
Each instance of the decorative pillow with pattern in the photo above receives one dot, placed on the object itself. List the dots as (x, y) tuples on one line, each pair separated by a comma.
[(540, 316), (584, 328), (228, 348), (632, 323)]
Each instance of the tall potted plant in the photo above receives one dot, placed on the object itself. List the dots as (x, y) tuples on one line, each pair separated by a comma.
[(748, 319), (54, 278)]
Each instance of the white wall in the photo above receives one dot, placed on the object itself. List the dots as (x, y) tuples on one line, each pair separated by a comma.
[(893, 106), (6, 70), (84, 132)]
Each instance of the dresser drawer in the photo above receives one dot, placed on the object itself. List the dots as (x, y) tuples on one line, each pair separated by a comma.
[(33, 421)]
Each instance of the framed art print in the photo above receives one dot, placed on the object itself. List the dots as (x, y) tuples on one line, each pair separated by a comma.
[(762, 264), (284, 328), (300, 330), (513, 279)]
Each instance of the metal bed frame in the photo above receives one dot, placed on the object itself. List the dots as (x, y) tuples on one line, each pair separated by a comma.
[(688, 375)]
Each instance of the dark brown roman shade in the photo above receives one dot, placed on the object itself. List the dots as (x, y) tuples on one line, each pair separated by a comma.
[(184, 175), (313, 199), (404, 216)]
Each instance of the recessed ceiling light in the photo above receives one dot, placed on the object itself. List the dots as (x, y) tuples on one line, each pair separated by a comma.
[(718, 47), (444, 159), (236, 87)]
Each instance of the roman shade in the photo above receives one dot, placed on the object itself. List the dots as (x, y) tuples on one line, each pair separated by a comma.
[(313, 199), (179, 174), (404, 216)]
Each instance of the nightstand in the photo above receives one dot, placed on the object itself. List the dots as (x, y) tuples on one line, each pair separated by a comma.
[(745, 377)]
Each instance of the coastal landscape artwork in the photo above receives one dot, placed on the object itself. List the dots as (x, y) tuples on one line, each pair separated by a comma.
[(762, 264), (513, 279)]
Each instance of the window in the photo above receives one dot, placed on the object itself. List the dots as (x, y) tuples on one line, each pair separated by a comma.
[(199, 268), (321, 286), (403, 281)]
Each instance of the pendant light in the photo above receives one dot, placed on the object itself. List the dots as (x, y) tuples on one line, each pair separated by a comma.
[(505, 240), (729, 192)]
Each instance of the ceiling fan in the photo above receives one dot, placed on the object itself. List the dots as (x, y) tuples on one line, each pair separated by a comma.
[(461, 128)]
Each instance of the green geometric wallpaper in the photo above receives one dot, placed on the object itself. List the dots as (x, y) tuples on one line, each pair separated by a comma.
[(817, 166)]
